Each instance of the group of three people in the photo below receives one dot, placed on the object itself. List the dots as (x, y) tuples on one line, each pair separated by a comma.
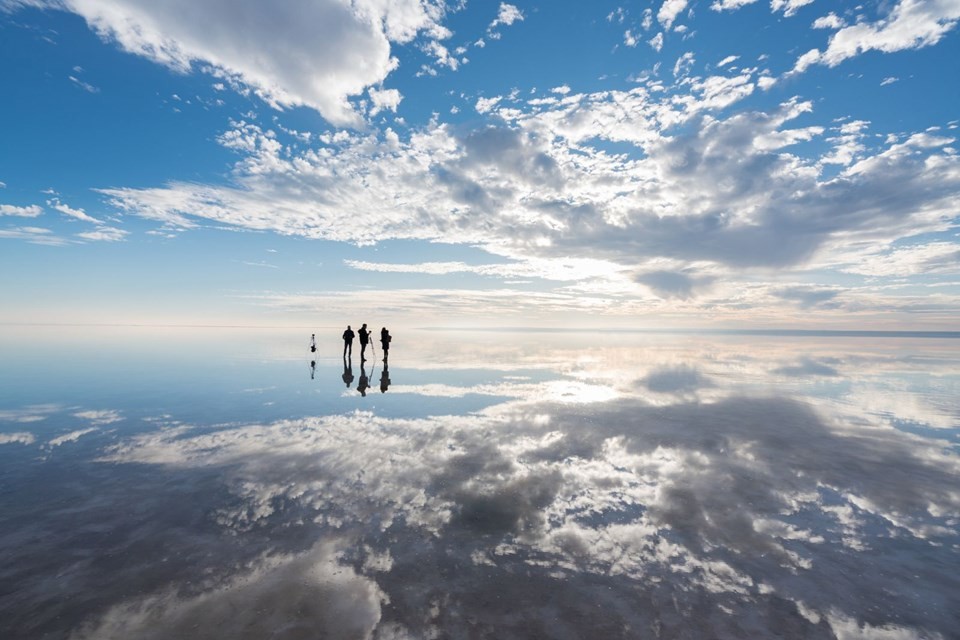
[(365, 336)]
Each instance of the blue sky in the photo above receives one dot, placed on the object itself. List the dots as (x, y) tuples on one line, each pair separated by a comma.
[(731, 163)]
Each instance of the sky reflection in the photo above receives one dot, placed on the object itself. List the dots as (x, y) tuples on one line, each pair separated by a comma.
[(628, 486)]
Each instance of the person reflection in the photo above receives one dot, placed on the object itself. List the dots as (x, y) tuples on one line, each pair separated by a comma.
[(347, 371), (364, 383), (385, 377), (313, 368), (385, 339)]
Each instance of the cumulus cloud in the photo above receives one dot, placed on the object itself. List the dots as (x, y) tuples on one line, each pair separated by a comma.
[(710, 187), (506, 15), (730, 5), (829, 21), (669, 11), (384, 100), (313, 54)]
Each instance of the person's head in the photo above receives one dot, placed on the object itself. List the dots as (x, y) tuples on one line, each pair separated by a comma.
[(348, 326), (364, 325)]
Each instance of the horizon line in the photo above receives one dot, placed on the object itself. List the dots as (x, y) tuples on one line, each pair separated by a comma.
[(890, 333)]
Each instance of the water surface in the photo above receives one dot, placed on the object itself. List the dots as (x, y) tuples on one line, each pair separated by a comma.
[(225, 483)]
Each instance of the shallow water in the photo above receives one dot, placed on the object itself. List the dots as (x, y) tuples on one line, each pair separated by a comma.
[(213, 484)]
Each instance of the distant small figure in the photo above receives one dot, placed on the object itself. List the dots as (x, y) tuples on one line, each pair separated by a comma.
[(385, 339), (364, 383), (364, 336), (348, 341), (313, 368), (313, 343), (384, 378), (347, 371)]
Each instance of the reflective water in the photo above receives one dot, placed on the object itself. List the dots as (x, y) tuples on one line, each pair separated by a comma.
[(214, 484)]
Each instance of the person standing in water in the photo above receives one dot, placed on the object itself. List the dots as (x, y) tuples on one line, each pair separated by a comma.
[(364, 336), (348, 341), (313, 343), (385, 339)]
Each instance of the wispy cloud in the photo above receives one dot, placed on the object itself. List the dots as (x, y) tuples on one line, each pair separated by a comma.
[(86, 86)]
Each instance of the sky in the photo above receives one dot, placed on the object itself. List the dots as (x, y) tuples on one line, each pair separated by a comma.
[(676, 163)]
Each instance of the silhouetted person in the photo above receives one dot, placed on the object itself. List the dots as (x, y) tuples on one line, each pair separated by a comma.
[(385, 378), (348, 341), (385, 339), (364, 383), (313, 343), (347, 371), (313, 368), (364, 336)]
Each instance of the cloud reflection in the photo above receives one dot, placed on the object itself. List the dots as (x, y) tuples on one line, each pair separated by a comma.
[(755, 503), (662, 489)]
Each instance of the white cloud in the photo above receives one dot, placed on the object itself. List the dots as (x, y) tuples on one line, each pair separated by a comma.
[(19, 437), (910, 24), (684, 64), (669, 11), (630, 39), (86, 86), (66, 210), (29, 211), (73, 436), (507, 15), (656, 42), (384, 100), (727, 61), (911, 260), (889, 80), (829, 21), (789, 7), (100, 417), (104, 234), (730, 5), (331, 50), (34, 235), (484, 105)]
